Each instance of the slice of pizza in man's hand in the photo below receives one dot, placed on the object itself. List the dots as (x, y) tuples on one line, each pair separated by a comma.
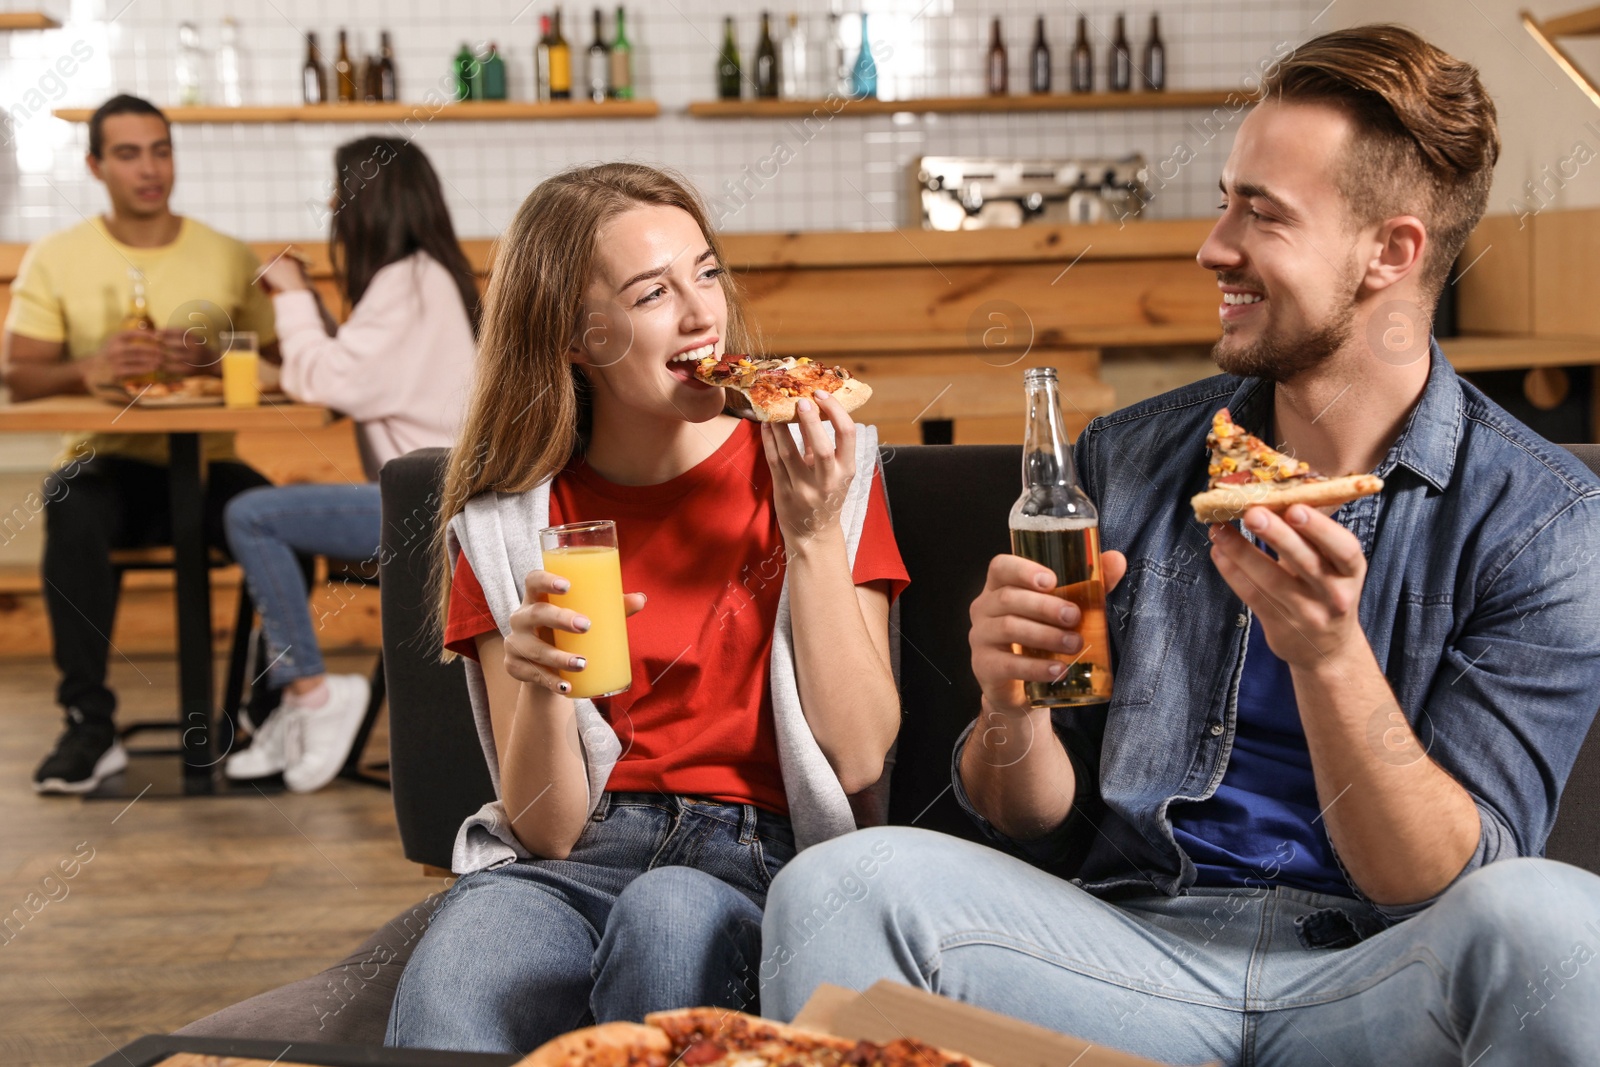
[(1246, 471), (768, 390), (715, 1037)]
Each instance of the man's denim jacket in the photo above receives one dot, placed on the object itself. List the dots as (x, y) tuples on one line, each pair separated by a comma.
[(1481, 603)]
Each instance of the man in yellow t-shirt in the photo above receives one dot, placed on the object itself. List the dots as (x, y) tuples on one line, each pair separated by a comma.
[(63, 334)]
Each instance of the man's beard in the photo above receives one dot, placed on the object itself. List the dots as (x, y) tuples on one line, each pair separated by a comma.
[(1278, 358)]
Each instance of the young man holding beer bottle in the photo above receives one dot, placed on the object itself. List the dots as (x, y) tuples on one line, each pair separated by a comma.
[(1306, 827), (112, 299)]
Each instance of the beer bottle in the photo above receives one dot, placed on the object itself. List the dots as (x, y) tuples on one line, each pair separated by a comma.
[(137, 316), (622, 60), (345, 71), (730, 76), (1054, 523), (388, 76), (766, 61), (560, 62), (541, 61), (1121, 59), (997, 66), (1039, 61), (597, 70), (1082, 60), (313, 82), (1155, 58)]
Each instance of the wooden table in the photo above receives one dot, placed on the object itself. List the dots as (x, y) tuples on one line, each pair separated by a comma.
[(183, 427)]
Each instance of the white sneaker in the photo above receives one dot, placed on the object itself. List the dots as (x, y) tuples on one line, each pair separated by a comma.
[(325, 734), (266, 752)]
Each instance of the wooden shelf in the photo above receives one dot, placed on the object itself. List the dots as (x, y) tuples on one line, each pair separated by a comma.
[(1187, 98), (464, 111), (27, 20), (1468, 354), (1585, 23)]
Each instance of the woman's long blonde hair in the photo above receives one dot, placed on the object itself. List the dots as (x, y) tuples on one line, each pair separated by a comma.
[(529, 407)]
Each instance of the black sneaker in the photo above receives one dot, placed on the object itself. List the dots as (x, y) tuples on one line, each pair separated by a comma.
[(86, 754)]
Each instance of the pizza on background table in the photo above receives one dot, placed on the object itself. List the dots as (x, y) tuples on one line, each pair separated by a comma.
[(1246, 471)]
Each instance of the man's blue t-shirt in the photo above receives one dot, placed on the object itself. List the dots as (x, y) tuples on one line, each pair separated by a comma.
[(1261, 826)]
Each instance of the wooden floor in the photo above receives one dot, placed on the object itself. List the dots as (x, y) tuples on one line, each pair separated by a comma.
[(178, 907)]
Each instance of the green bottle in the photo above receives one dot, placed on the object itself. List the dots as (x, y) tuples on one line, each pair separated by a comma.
[(621, 62), (465, 66), (729, 76), (492, 81)]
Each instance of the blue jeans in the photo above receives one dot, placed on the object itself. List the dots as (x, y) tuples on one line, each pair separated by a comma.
[(1503, 969), (658, 906), (267, 527)]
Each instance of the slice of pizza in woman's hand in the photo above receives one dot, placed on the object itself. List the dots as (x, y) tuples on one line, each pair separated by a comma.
[(715, 1037), (1246, 471), (767, 390)]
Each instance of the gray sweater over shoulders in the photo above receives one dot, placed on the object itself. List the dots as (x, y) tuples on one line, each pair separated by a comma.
[(499, 535)]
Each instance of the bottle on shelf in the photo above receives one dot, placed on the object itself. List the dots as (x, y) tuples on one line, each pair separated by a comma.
[(345, 71), (766, 61), (1155, 58), (191, 60), (843, 71), (560, 62), (1054, 523), (541, 61), (730, 77), (230, 66), (467, 71), (621, 61), (1082, 59), (997, 69), (597, 65), (1039, 60), (388, 75), (792, 64), (369, 79), (313, 79), (864, 77), (492, 76), (1121, 59)]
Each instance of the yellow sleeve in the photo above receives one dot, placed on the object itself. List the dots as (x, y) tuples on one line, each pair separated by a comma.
[(255, 306), (36, 310)]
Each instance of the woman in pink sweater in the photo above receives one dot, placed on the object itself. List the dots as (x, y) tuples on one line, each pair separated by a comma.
[(400, 367)]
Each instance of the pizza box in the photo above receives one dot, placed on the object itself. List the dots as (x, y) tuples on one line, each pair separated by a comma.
[(888, 1010)]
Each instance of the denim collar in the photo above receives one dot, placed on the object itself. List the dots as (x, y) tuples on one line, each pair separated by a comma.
[(1427, 445)]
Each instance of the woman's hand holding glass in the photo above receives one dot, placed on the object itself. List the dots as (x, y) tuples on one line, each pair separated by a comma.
[(531, 654)]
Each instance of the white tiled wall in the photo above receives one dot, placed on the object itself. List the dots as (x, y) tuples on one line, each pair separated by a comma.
[(260, 181)]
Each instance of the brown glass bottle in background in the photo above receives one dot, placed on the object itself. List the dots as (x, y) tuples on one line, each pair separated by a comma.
[(766, 62), (560, 63), (313, 79), (369, 79), (345, 71), (998, 74), (1039, 60), (1121, 59), (1155, 58), (388, 75), (1082, 60)]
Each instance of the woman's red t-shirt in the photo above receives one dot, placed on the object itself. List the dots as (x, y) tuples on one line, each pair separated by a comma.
[(706, 550)]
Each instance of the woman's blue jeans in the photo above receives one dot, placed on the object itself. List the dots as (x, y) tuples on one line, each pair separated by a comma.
[(658, 906), (267, 527)]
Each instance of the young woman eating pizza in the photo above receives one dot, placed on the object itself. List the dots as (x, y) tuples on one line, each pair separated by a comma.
[(624, 867)]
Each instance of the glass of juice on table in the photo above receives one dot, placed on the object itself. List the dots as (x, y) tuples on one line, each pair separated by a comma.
[(585, 554), (241, 370)]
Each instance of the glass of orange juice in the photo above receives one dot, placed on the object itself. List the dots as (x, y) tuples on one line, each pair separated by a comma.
[(585, 554), (241, 370)]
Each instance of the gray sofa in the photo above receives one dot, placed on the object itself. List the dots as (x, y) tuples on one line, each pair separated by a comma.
[(437, 766)]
